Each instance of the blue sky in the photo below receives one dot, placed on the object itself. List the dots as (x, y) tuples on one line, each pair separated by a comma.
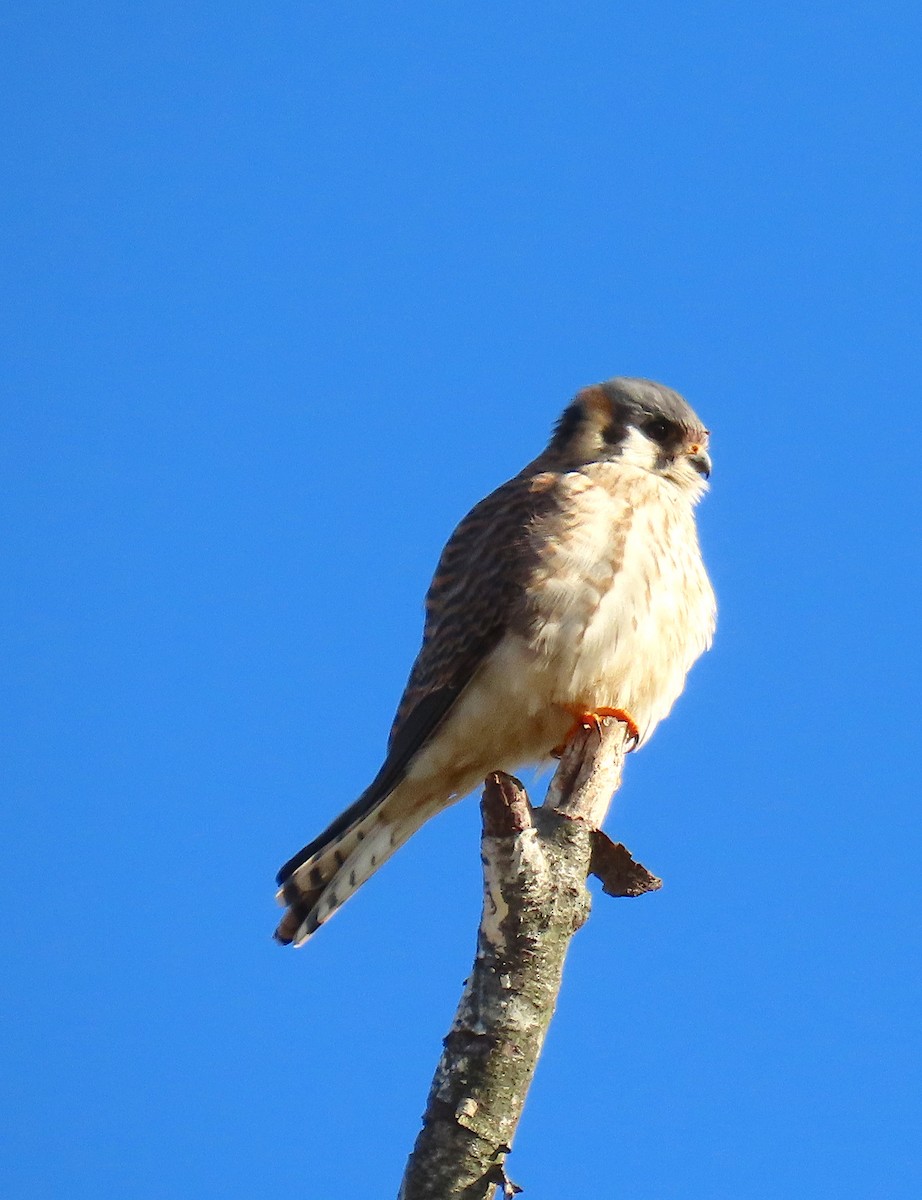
[(290, 287)]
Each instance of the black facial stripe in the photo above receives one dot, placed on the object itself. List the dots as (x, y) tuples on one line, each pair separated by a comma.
[(615, 432), (568, 424)]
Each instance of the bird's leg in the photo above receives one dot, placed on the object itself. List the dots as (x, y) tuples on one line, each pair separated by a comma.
[(592, 719)]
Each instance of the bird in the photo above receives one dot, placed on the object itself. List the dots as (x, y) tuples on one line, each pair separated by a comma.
[(574, 591)]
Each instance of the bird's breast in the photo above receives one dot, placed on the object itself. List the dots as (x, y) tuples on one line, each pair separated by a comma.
[(619, 604)]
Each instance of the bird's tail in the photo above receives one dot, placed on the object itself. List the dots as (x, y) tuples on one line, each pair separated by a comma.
[(322, 877)]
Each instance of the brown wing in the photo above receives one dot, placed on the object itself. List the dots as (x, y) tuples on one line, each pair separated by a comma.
[(478, 589)]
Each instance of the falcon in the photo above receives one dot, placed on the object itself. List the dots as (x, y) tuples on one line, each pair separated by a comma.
[(573, 592)]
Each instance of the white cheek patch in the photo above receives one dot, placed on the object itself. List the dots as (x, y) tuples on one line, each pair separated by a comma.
[(638, 450)]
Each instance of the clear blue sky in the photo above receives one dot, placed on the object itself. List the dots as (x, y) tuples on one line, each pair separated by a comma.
[(288, 287)]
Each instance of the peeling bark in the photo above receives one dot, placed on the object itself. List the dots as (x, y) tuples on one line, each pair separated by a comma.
[(535, 864)]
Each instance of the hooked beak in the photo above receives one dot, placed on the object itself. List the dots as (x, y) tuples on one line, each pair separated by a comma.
[(701, 461)]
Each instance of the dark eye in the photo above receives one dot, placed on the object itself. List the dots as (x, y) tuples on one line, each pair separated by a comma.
[(657, 429)]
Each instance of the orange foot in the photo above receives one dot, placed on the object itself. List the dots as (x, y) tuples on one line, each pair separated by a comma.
[(593, 720)]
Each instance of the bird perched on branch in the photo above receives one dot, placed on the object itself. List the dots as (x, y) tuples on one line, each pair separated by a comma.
[(574, 592)]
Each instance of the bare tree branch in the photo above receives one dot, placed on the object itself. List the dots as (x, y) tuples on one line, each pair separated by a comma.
[(535, 863)]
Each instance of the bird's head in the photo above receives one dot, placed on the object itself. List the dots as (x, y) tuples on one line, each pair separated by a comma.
[(636, 422)]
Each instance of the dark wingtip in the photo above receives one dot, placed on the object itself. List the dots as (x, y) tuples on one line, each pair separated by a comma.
[(286, 870)]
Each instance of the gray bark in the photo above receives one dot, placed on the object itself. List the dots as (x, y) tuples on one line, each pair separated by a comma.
[(535, 864)]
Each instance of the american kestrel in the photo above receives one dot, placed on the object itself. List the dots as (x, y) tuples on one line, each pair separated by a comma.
[(577, 588)]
